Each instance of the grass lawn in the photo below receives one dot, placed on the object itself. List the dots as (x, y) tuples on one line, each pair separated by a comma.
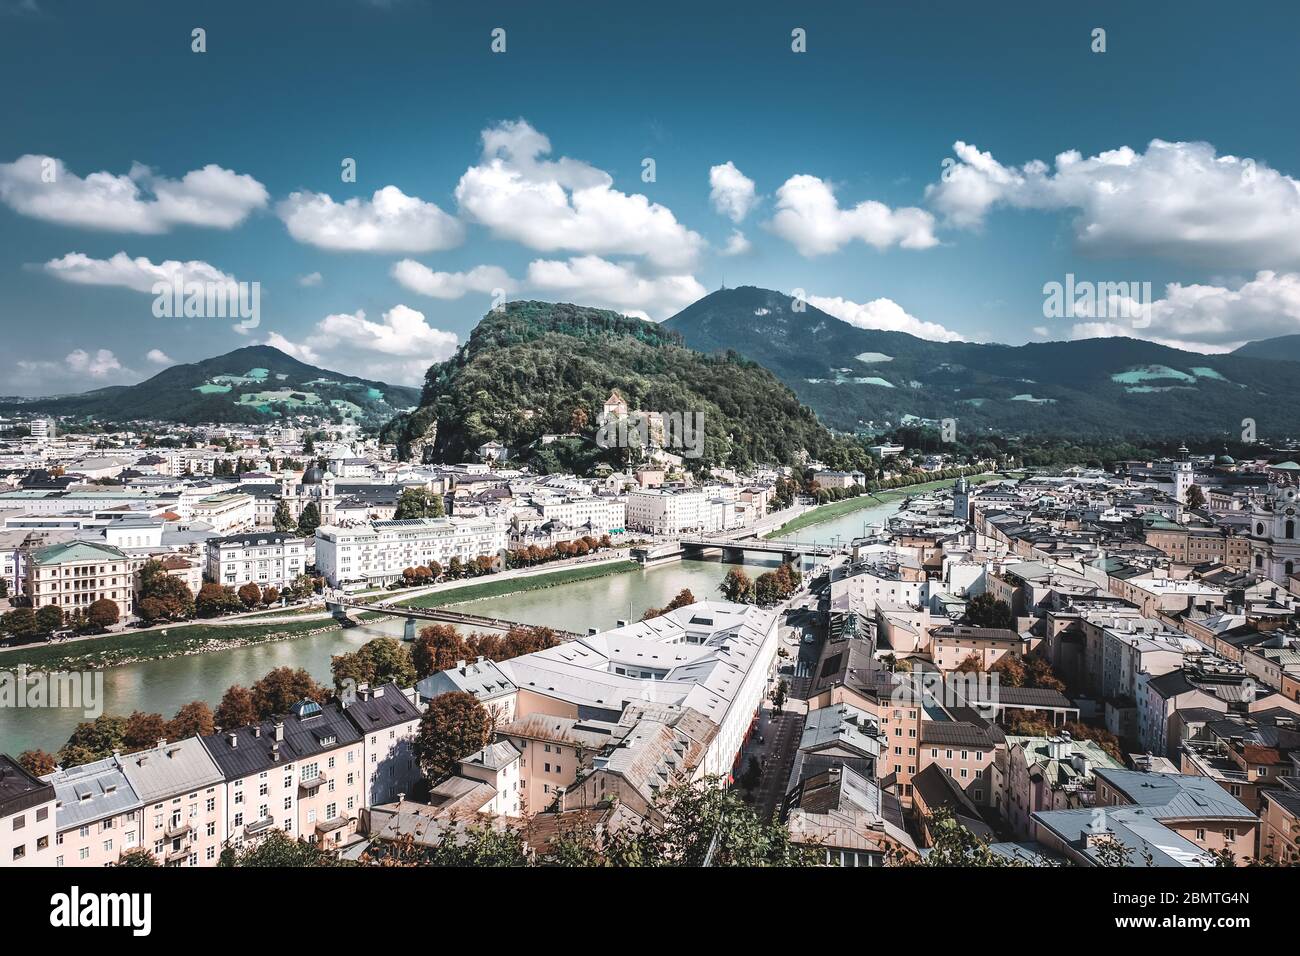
[(848, 505), (152, 645)]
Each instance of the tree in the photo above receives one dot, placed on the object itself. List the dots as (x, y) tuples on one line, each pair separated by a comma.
[(779, 693), (309, 520), (270, 595), (438, 648), (418, 503), (20, 622), (283, 687), (143, 731), (1195, 498), (171, 596), (277, 849), (701, 820), (951, 845), (194, 719), (250, 594), (49, 618), (970, 664), (767, 590), (215, 599), (282, 519), (93, 740), (1010, 670), (455, 725), (236, 708), (376, 662), (136, 857), (37, 762), (985, 610)]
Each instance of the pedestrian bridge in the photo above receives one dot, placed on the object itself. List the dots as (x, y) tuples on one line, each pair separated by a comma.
[(339, 607)]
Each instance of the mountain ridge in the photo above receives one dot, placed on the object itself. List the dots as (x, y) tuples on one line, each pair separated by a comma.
[(252, 384), (869, 379)]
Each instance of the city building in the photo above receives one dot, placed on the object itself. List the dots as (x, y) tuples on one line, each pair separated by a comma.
[(378, 553), (265, 558)]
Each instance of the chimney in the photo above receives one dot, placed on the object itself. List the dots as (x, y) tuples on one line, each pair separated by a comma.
[(233, 738), (257, 730), (460, 666), (162, 742), (279, 732), (378, 692), (275, 751)]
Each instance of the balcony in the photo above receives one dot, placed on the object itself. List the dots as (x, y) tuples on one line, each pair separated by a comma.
[(176, 856), (1215, 763), (177, 830), (259, 827), (307, 787)]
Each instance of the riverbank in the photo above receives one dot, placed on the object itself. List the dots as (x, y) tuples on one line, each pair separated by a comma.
[(208, 636), (838, 509)]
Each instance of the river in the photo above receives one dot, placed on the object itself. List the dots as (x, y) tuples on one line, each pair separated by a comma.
[(163, 686)]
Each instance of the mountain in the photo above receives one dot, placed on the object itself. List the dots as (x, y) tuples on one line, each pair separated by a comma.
[(534, 369), (1117, 387), (250, 385), (1285, 347)]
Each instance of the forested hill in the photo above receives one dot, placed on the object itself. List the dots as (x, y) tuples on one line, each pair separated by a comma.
[(532, 369)]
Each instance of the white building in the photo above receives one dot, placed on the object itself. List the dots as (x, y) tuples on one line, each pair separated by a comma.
[(227, 513), (265, 558), (606, 515), (667, 511), (378, 553)]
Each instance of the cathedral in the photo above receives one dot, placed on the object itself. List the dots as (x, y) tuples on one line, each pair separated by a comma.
[(1274, 544), (317, 485)]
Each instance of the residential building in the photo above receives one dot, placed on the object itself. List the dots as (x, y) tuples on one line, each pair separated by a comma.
[(27, 817), (226, 513), (377, 553), (265, 558), (97, 814), (182, 796)]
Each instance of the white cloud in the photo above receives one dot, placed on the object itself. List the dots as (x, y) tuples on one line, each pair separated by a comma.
[(591, 280), (450, 285), (78, 370), (810, 218), (390, 221), (1177, 201), (731, 191), (560, 204), (1210, 318), (884, 314), (159, 357), (1041, 331), (398, 349), (310, 279), (138, 274), (44, 188), (737, 244)]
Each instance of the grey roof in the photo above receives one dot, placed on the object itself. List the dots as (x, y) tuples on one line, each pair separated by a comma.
[(312, 730), (1175, 796), (19, 789), (1135, 828), (92, 791), (494, 756), (170, 770), (381, 707), (482, 678), (954, 733)]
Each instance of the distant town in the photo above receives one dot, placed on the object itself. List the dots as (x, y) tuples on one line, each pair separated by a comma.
[(948, 662)]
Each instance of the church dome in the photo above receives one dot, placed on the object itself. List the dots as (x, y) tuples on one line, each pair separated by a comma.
[(313, 475)]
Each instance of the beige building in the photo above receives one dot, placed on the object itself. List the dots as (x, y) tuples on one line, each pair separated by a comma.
[(97, 814), (182, 796), (553, 752), (76, 574)]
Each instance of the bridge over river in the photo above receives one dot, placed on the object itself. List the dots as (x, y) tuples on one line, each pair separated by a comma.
[(339, 608), (733, 549)]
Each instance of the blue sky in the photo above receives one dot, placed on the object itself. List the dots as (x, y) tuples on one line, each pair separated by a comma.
[(227, 163)]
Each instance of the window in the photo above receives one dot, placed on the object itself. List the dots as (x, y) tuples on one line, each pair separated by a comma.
[(19, 822), (20, 852)]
